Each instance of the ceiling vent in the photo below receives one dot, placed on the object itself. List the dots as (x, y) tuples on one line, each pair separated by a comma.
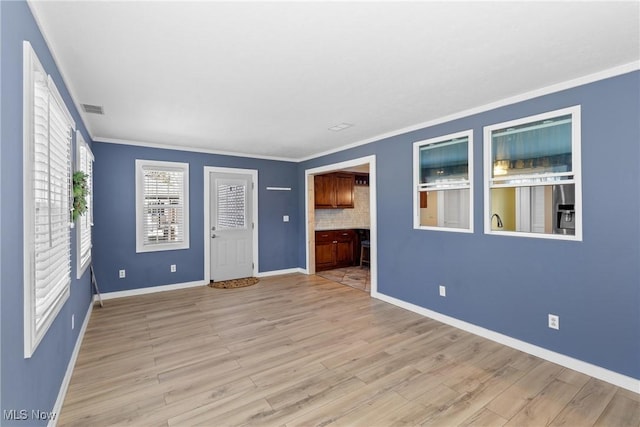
[(92, 109), (340, 127)]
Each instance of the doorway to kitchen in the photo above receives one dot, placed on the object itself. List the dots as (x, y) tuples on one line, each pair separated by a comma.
[(341, 228)]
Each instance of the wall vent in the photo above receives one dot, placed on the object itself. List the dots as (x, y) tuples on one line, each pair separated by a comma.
[(92, 109)]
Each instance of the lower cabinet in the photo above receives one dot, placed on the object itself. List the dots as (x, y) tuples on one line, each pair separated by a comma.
[(325, 251), (335, 248)]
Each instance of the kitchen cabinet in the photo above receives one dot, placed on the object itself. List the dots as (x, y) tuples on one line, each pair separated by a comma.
[(335, 248), (325, 250), (324, 190), (334, 190), (362, 179), (345, 245), (424, 196)]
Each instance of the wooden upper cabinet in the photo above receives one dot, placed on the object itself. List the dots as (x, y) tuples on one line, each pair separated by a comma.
[(325, 191), (334, 190), (344, 190)]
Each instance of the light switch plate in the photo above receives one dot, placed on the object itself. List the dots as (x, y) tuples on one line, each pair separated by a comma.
[(285, 218)]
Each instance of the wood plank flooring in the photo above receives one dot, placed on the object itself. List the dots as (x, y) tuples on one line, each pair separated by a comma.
[(301, 350)]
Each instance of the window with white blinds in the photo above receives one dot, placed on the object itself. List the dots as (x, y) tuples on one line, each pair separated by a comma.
[(48, 128), (84, 160), (162, 205)]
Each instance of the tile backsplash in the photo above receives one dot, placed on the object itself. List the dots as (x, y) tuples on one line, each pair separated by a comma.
[(358, 217)]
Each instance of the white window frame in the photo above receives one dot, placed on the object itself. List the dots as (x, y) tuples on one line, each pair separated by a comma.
[(461, 185), (141, 245), (538, 179), (58, 279), (84, 221)]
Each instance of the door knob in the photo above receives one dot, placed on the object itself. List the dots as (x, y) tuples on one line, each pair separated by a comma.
[(213, 235)]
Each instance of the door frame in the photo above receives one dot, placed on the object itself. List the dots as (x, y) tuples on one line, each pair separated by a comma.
[(373, 204), (208, 170)]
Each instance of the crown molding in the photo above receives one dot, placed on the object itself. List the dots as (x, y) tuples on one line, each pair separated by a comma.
[(569, 84), (191, 149)]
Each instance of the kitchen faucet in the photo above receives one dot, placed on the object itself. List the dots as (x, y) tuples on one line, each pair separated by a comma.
[(499, 222)]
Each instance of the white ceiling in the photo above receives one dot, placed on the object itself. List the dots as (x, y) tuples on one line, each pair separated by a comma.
[(270, 78)]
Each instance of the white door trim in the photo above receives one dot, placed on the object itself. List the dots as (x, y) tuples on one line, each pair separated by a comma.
[(373, 211), (208, 170)]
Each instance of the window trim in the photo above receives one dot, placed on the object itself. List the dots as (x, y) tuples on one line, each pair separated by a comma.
[(82, 144), (32, 334), (139, 173), (416, 180), (576, 144)]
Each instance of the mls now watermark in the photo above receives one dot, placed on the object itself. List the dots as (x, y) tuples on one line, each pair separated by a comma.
[(25, 414)]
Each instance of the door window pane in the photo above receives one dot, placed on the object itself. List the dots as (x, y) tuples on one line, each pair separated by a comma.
[(231, 206)]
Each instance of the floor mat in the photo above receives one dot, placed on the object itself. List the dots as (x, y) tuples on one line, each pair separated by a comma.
[(235, 283)]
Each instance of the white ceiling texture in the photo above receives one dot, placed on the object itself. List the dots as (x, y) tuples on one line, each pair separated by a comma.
[(269, 79)]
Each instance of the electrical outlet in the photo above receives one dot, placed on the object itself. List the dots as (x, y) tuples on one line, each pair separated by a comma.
[(443, 291), (173, 268), (73, 321), (554, 321), (285, 218), (122, 274)]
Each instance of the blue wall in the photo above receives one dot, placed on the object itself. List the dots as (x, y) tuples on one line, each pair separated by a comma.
[(510, 284), (28, 383), (115, 227)]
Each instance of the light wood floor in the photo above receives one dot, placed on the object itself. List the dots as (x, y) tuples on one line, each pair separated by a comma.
[(301, 350)]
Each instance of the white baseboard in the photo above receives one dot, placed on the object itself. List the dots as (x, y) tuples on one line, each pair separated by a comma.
[(57, 407), (603, 374), (150, 290), (280, 272), (175, 286)]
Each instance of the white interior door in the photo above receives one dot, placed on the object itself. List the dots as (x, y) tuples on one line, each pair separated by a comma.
[(453, 208), (231, 230), (530, 209), (537, 209)]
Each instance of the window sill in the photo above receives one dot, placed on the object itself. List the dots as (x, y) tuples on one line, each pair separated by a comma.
[(449, 229), (576, 238), (162, 247)]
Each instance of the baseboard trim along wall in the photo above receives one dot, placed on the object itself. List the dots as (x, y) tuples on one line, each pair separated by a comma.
[(175, 286), (598, 372), (280, 272), (57, 407), (150, 290)]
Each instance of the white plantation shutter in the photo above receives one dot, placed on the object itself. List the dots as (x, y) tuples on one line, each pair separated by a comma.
[(47, 185), (85, 221), (162, 210)]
